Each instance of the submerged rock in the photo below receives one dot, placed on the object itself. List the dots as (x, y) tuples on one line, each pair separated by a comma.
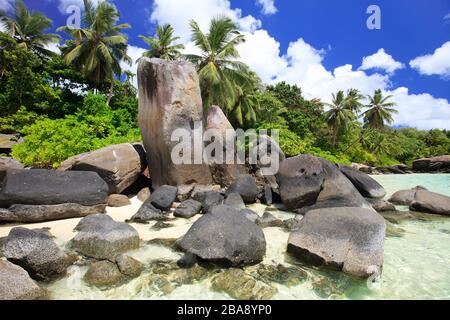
[(161, 225), (49, 187), (168, 243), (129, 266), (225, 236), (246, 187), (288, 276), (101, 237), (242, 286), (431, 202), (36, 252), (119, 165), (39, 213), (103, 274), (187, 261), (118, 200), (16, 284), (350, 239), (169, 99), (188, 209), (367, 186)]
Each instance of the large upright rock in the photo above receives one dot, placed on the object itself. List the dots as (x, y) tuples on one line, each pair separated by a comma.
[(225, 236), (367, 186), (169, 99), (351, 239), (48, 187), (119, 165), (223, 174), (308, 182), (16, 284)]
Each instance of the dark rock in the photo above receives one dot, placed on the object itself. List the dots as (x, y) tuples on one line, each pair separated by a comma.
[(118, 200), (440, 163), (103, 274), (161, 225), (404, 197), (37, 253), (431, 202), (226, 237), (250, 215), (246, 187), (350, 239), (147, 212), (188, 209), (308, 183), (7, 163), (47, 187), (119, 165), (266, 195), (40, 213), (234, 200), (381, 205), (168, 243), (184, 192), (16, 284), (187, 261), (144, 194), (101, 237), (163, 197), (210, 200), (287, 276), (268, 220), (367, 186), (169, 99), (129, 266), (242, 286)]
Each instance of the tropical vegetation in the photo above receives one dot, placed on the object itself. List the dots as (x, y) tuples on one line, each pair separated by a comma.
[(83, 98)]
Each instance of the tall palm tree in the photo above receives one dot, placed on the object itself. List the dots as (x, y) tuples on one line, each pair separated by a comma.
[(98, 48), (354, 98), (28, 29), (243, 113), (338, 116), (218, 66), (161, 46), (380, 111)]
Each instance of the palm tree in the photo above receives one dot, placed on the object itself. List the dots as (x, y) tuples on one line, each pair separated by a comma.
[(28, 29), (354, 98), (380, 111), (162, 45), (339, 116), (217, 66), (99, 47)]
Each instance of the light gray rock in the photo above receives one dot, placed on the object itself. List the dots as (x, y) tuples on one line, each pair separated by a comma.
[(16, 284), (250, 215), (40, 213), (351, 239), (169, 99), (431, 202), (37, 253), (100, 237), (119, 165), (381, 205), (235, 200), (405, 197), (269, 220)]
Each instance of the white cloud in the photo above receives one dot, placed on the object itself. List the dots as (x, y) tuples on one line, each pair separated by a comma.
[(381, 60), (179, 12), (437, 63), (267, 6), (447, 17), (64, 4), (6, 4), (134, 53)]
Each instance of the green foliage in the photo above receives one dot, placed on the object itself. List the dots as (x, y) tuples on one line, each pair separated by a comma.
[(162, 45), (49, 142)]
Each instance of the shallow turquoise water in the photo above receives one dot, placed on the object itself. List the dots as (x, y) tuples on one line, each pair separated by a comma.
[(416, 265)]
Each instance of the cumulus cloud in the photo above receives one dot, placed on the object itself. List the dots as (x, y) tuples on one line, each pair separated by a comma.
[(302, 64), (267, 6), (134, 53), (447, 18), (437, 63), (179, 12), (382, 61)]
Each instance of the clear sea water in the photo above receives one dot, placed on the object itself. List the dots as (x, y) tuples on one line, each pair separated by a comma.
[(416, 265)]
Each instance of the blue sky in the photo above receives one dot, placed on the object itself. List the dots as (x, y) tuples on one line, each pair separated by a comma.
[(321, 45)]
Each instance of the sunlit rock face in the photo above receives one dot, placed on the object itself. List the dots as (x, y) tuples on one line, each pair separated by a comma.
[(169, 99)]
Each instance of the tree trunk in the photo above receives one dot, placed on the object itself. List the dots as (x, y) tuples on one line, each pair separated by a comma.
[(110, 93)]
